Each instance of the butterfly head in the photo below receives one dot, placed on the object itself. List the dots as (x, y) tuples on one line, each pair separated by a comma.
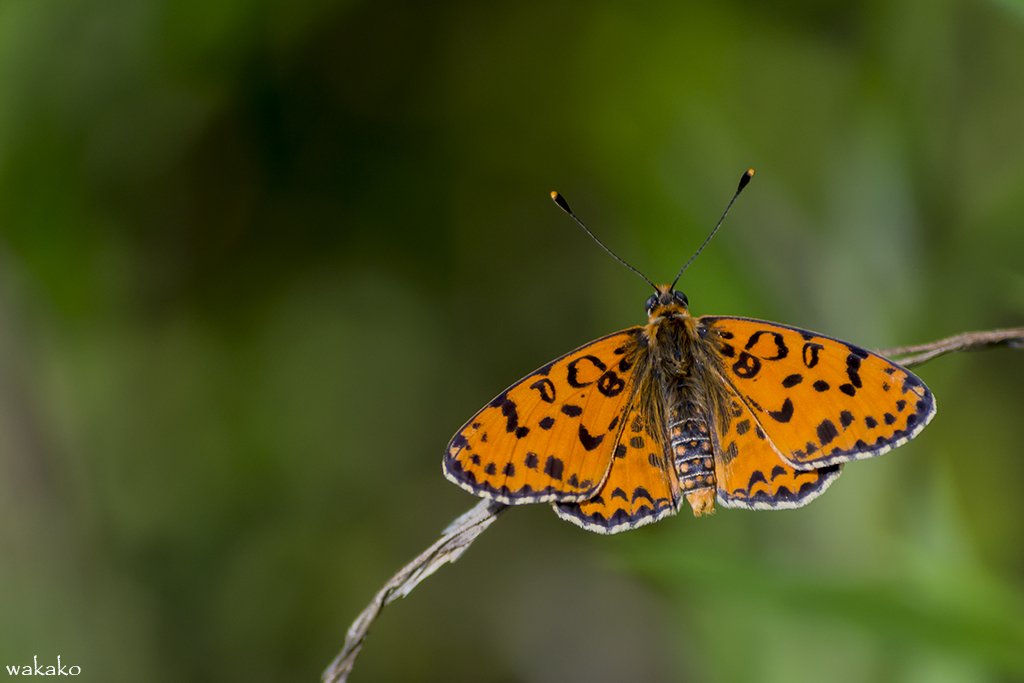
[(666, 302)]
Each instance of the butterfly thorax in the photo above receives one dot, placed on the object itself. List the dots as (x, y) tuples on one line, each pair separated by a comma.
[(684, 364)]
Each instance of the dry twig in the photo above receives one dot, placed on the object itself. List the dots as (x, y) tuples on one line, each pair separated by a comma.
[(456, 538), (968, 341), (453, 542)]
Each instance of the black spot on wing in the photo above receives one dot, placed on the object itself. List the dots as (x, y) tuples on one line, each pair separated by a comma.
[(870, 422), (853, 370), (792, 381), (573, 370), (857, 351), (571, 410), (747, 366), (553, 467), (509, 470), (619, 493), (637, 424), (531, 460), (610, 384), (641, 492), (827, 432), (491, 469), (845, 418), (820, 385), (731, 451), (620, 451), (781, 350), (547, 423), (810, 354), (756, 477), (783, 414), (589, 442), (778, 471), (546, 389), (637, 442)]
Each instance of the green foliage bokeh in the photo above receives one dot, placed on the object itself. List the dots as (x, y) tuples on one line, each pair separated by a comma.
[(259, 260)]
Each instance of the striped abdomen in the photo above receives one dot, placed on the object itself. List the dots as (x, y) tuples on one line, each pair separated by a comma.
[(693, 455)]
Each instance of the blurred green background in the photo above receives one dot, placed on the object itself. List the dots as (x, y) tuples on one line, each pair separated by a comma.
[(260, 260)]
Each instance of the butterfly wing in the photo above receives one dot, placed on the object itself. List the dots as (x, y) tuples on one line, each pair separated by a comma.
[(639, 489), (751, 474), (819, 400), (551, 436)]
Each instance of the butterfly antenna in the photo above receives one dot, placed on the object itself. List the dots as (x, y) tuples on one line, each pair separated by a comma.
[(743, 183), (564, 206)]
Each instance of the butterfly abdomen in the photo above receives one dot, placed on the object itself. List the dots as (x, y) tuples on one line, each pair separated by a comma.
[(693, 455)]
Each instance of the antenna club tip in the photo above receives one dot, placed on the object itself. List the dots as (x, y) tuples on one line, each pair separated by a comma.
[(745, 179), (560, 200)]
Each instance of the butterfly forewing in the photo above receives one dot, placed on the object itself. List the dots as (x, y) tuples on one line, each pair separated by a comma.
[(639, 489), (819, 400), (551, 436), (750, 473)]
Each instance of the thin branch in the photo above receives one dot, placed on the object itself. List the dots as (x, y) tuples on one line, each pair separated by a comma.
[(453, 542), (968, 341), (456, 538)]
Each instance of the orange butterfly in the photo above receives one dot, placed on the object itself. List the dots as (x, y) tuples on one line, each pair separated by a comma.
[(617, 432)]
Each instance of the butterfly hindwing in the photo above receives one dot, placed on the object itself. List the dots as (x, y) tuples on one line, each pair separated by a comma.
[(819, 400), (551, 436), (751, 474), (639, 489)]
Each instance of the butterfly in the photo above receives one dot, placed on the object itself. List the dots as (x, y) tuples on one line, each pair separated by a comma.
[(753, 414)]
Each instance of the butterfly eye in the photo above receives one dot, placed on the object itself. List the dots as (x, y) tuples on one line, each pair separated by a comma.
[(681, 298), (651, 303)]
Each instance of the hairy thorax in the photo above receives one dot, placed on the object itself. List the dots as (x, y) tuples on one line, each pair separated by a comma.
[(684, 368)]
